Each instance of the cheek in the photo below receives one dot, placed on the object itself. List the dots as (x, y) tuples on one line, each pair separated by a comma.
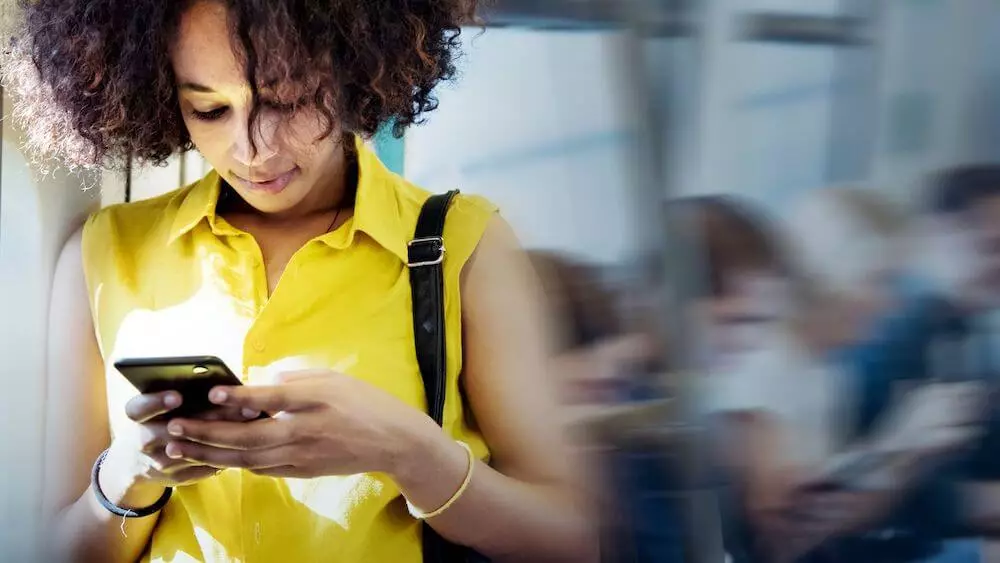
[(304, 138), (301, 142), (211, 141)]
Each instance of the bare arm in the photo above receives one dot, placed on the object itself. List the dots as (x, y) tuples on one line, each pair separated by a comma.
[(525, 507), (75, 400)]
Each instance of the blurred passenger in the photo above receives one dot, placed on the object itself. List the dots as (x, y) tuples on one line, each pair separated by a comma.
[(964, 237), (873, 320), (630, 484), (962, 263), (791, 418), (587, 321)]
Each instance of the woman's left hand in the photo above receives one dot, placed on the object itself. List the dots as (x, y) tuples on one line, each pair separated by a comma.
[(324, 423)]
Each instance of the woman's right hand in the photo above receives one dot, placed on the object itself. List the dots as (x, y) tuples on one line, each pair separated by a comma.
[(137, 457)]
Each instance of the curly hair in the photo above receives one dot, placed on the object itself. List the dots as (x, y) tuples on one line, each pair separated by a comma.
[(93, 84)]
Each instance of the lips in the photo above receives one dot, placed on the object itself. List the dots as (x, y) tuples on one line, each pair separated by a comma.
[(269, 183)]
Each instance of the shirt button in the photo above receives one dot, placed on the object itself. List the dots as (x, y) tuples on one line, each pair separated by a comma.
[(256, 532), (258, 345)]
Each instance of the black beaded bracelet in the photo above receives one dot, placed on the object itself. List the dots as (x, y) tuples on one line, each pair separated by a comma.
[(117, 510)]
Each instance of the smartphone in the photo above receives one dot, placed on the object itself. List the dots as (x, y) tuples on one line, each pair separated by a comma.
[(193, 377)]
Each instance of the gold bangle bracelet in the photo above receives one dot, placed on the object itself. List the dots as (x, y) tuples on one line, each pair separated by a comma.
[(420, 515)]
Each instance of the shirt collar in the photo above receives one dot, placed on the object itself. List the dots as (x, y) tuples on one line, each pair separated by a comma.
[(197, 203), (376, 208)]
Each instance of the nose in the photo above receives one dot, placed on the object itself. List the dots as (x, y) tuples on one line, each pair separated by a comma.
[(256, 153)]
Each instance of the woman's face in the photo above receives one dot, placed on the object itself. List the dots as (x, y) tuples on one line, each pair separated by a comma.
[(741, 320), (289, 167)]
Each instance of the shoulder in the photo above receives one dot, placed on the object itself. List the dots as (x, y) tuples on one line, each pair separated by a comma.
[(126, 230), (469, 218), (465, 208), (131, 222)]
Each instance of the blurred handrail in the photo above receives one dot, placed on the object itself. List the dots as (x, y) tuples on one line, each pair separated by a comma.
[(661, 19), (770, 27)]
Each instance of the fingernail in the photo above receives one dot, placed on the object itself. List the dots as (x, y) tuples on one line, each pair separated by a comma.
[(217, 396), (174, 451), (172, 400), (175, 429), (250, 413)]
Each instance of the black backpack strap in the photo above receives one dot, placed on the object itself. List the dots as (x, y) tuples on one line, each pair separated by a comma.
[(425, 257)]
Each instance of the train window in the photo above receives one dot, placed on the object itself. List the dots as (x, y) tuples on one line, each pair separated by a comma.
[(537, 123), (815, 72), (774, 83)]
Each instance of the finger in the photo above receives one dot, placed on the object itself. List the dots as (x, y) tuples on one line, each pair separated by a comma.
[(153, 436), (224, 457), (301, 375), (194, 473), (162, 463), (232, 414), (281, 471), (266, 398), (257, 435), (150, 405)]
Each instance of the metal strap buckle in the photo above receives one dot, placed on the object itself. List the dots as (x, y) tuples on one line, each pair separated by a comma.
[(438, 246)]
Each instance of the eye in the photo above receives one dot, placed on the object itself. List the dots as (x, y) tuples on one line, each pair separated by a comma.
[(211, 115)]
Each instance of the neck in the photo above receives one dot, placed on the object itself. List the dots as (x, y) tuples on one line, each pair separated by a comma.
[(336, 185)]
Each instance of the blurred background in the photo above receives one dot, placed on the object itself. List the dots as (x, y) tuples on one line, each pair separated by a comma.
[(770, 230)]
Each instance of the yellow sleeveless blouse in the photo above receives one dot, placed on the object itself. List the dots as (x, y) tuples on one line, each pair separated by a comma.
[(169, 277)]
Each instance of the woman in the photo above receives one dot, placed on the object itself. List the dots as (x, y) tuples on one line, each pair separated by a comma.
[(277, 97)]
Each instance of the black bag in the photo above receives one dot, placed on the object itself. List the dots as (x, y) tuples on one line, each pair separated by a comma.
[(425, 257)]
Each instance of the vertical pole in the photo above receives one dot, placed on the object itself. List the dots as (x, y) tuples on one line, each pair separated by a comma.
[(659, 236)]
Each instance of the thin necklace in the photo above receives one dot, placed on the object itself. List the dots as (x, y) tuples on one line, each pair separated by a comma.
[(334, 222)]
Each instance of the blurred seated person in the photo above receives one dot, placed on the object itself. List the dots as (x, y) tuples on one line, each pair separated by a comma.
[(792, 418), (597, 354), (961, 265), (878, 322), (598, 350)]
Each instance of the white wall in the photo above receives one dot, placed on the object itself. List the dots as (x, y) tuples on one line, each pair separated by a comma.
[(36, 216), (764, 122), (535, 124), (766, 110), (940, 103), (539, 122)]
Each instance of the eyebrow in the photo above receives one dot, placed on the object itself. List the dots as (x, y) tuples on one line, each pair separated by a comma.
[(195, 87)]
